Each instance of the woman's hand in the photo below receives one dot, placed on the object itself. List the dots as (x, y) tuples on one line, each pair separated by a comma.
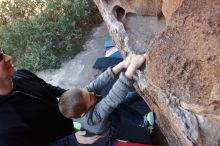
[(82, 139)]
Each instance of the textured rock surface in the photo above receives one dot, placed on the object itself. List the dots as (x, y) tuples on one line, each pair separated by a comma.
[(181, 79)]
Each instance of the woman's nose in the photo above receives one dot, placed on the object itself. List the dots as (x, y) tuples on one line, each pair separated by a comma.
[(7, 58)]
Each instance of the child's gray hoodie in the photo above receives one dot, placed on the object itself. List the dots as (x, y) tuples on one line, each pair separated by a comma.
[(96, 119)]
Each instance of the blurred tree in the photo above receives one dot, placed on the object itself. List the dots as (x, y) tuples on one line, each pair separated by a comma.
[(41, 34)]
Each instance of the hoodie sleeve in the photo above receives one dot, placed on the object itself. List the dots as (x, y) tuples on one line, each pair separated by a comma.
[(103, 80), (116, 95), (55, 90)]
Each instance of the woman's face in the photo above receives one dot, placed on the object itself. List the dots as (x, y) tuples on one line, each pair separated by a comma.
[(7, 69), (6, 66)]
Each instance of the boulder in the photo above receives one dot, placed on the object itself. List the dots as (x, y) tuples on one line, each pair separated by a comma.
[(181, 79)]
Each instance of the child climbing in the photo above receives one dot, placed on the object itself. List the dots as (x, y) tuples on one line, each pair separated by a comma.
[(83, 105)]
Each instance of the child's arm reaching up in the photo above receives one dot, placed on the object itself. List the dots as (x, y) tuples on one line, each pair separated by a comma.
[(118, 92), (109, 75)]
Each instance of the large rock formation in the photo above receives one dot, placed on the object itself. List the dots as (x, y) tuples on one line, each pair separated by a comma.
[(181, 79)]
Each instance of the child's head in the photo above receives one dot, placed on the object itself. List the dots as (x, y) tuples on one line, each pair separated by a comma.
[(75, 102)]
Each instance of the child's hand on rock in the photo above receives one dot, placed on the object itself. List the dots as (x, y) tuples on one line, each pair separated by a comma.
[(126, 62)]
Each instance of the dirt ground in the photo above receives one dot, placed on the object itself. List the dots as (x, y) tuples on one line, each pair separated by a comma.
[(79, 71)]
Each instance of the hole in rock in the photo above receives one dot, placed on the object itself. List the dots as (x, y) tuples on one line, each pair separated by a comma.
[(119, 13)]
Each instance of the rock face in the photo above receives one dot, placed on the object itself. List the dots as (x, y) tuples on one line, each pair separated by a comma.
[(181, 79)]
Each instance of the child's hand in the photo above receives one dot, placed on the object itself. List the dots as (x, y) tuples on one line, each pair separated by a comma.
[(135, 63), (126, 62)]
